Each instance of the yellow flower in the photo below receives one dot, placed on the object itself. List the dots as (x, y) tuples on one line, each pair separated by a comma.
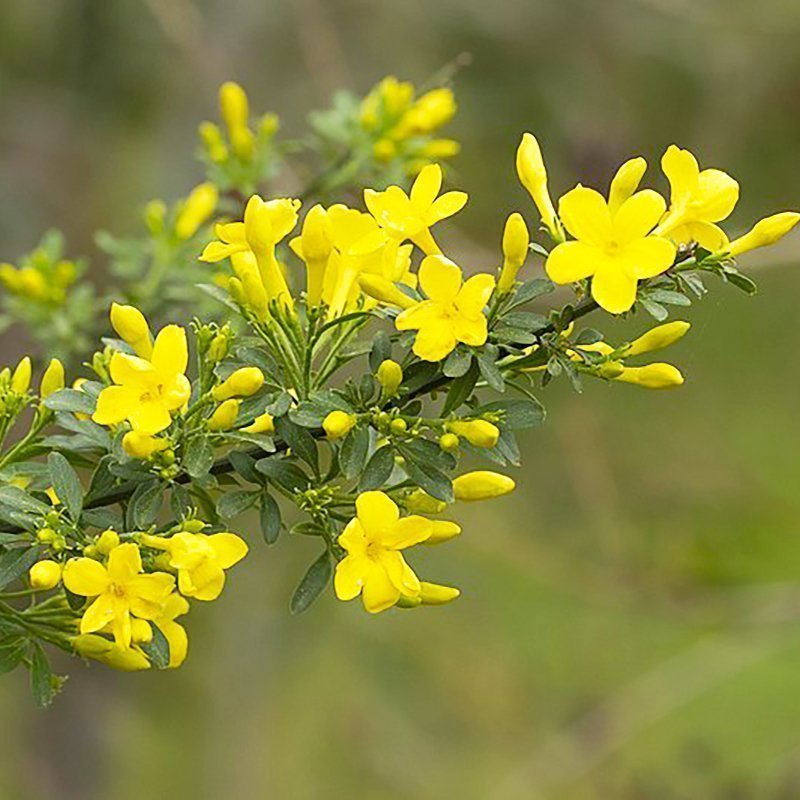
[(428, 113), (533, 176), (266, 223), (224, 416), (264, 423), (389, 99), (235, 113), (21, 379), (764, 233), (374, 566), (314, 247), (652, 376), (53, 378), (390, 376), (482, 485), (338, 424), (197, 208), (127, 659), (241, 383), (120, 590), (410, 216), (142, 445), (131, 326), (698, 200), (452, 313), (215, 146), (146, 392), (175, 634), (614, 249), (443, 531), (201, 560), (515, 250), (45, 575), (478, 432)]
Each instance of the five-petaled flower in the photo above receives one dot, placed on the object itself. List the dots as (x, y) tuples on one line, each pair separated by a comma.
[(120, 589), (410, 216), (146, 391), (201, 560), (374, 567), (698, 200), (613, 247), (452, 313)]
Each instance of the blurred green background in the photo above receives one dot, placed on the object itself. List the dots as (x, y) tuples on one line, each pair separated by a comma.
[(629, 624)]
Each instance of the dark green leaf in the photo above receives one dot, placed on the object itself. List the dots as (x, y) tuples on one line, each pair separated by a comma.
[(300, 440), (312, 585), (12, 652), (270, 518), (283, 472), (457, 363), (157, 649), (245, 465), (70, 400), (15, 563), (461, 389), (381, 350), (232, 504), (20, 500), (353, 452), (44, 684), (66, 484), (144, 505), (377, 470), (199, 456), (517, 414)]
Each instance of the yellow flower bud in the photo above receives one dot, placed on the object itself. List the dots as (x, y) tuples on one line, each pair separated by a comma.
[(626, 182), (45, 575), (141, 631), (533, 175), (53, 378), (199, 206), (338, 424), (154, 213), (264, 423), (438, 149), (420, 502), (211, 136), (107, 541), (478, 432), (241, 383), (448, 442), (32, 283), (390, 376), (652, 376), (765, 232), (235, 111), (434, 594), (21, 379), (384, 150), (443, 531), (398, 426), (314, 247), (269, 124), (224, 416), (515, 249), (433, 110), (142, 445), (384, 291), (482, 485), (107, 652), (658, 338), (132, 328)]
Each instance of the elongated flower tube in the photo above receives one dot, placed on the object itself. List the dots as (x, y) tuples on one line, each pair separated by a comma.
[(657, 338), (533, 176), (244, 382), (314, 247), (384, 291)]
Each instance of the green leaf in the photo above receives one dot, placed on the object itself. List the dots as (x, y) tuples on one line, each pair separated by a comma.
[(741, 281), (381, 350), (489, 370), (199, 457), (461, 389), (145, 503), (270, 518), (669, 297), (312, 585), (157, 649), (457, 363), (353, 452), (299, 440), (517, 414), (70, 400), (283, 472), (427, 476), (655, 310), (310, 413), (530, 290), (11, 654), (44, 684), (66, 484), (245, 465), (15, 563), (232, 504), (19, 500), (180, 500), (377, 470)]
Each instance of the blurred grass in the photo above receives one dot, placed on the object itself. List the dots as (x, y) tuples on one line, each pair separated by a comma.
[(628, 623)]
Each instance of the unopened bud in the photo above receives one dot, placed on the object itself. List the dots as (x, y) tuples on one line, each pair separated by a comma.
[(107, 541), (390, 376), (264, 423), (516, 240), (224, 416), (658, 338), (652, 376), (338, 424), (53, 378), (45, 575), (21, 379), (482, 485), (443, 531), (131, 326), (478, 432)]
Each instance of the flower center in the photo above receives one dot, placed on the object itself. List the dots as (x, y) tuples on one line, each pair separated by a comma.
[(375, 550), (117, 590)]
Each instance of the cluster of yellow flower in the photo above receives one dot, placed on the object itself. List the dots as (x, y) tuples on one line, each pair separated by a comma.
[(184, 445), (400, 125)]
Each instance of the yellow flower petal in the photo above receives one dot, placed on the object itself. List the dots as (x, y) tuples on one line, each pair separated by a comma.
[(419, 315), (407, 532), (114, 404), (569, 262), (349, 576), (447, 205), (649, 257), (472, 332), (585, 215), (150, 417), (440, 278), (399, 573), (85, 576), (170, 351), (229, 548), (626, 182), (638, 215), (717, 195), (435, 342), (426, 186), (178, 641), (377, 513), (614, 290), (379, 593), (124, 563), (99, 614), (475, 294)]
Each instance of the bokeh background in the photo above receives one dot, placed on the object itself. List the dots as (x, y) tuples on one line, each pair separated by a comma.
[(629, 624)]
